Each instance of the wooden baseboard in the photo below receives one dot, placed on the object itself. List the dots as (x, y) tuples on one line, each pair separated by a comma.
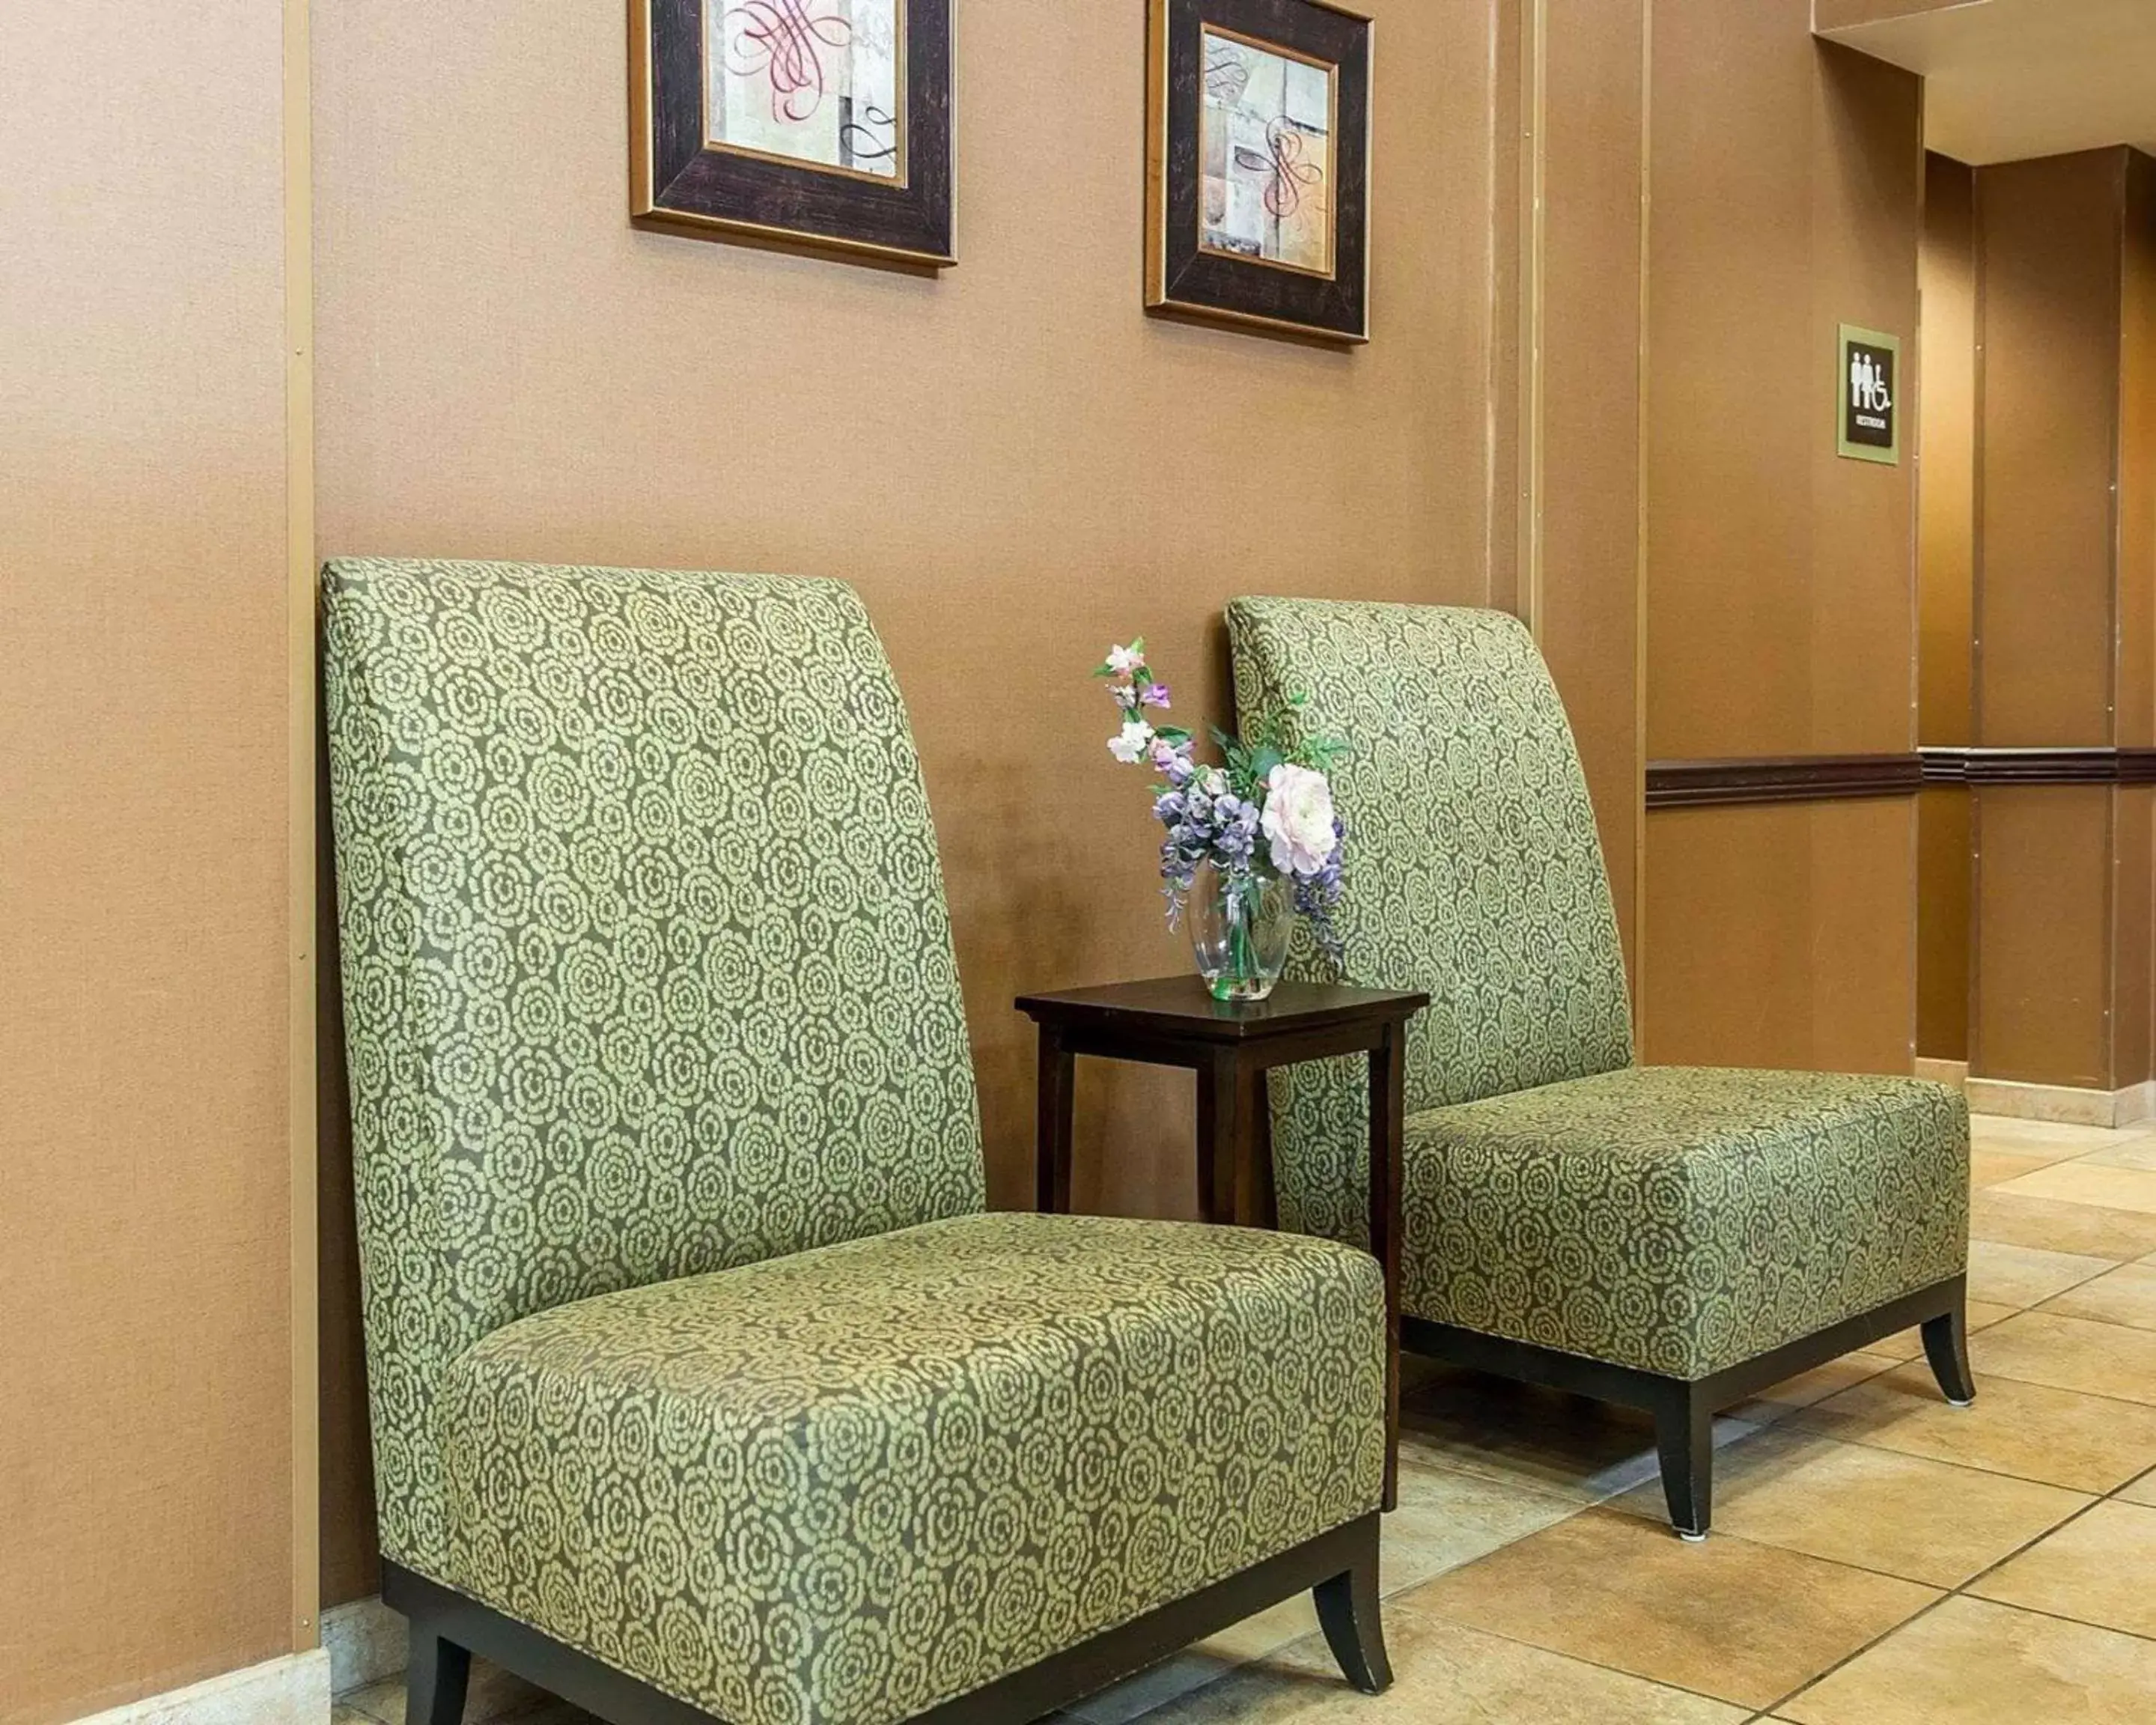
[(291, 1690), (2062, 1104), (1953, 1072)]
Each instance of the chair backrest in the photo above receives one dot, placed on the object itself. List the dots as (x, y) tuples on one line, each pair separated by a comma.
[(1473, 869), (647, 967)]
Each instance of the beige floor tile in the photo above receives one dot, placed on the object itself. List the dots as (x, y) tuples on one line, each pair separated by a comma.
[(2060, 1436), (1580, 1450), (1971, 1662), (1807, 1387), (2070, 1354), (2126, 1295), (1443, 1674), (1989, 1168), (2085, 1182), (2006, 1214), (2136, 1153), (2000, 1275), (1875, 1509), (1743, 1622), (2100, 1568), (1909, 1344), (1445, 1518), (2142, 1491)]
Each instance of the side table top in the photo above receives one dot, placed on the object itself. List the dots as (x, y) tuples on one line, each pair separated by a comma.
[(1184, 1006)]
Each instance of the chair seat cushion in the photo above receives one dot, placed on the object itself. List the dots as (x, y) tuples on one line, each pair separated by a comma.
[(848, 1485), (1683, 1219)]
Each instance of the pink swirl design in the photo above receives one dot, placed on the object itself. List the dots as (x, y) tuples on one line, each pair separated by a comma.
[(784, 42)]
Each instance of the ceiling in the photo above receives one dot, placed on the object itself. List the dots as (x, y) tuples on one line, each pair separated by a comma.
[(2010, 79)]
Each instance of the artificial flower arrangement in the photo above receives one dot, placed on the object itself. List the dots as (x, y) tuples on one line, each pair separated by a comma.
[(1250, 842)]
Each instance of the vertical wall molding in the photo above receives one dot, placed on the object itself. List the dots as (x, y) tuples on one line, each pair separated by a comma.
[(1640, 596), (301, 818), (1534, 160)]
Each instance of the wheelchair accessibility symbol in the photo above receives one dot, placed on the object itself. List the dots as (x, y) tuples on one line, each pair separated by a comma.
[(1869, 427)]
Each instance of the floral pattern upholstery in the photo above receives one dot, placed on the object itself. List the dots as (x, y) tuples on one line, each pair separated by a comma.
[(853, 1483), (1680, 1220), (652, 1014), (1675, 1220)]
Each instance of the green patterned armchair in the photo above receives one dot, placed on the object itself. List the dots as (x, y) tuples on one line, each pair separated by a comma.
[(703, 1386), (1669, 1238)]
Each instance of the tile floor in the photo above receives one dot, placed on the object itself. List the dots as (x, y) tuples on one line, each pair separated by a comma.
[(1878, 1558)]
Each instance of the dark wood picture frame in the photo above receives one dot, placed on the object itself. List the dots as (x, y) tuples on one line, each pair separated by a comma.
[(1184, 277), (681, 183)]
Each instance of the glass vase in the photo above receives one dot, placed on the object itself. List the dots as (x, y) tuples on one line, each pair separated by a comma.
[(1238, 931)]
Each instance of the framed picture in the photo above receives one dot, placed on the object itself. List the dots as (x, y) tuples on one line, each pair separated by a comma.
[(1257, 183), (825, 124)]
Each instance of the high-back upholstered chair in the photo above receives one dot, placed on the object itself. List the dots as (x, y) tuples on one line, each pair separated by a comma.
[(1670, 1238), (702, 1385)]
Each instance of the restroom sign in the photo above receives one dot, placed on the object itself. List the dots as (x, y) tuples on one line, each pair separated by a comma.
[(1869, 382)]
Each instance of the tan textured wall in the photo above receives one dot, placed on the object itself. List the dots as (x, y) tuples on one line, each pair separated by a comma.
[(146, 1486), (1787, 199), (1792, 923), (1946, 564), (2062, 877), (2049, 238), (1013, 463), (2133, 983), (2043, 936)]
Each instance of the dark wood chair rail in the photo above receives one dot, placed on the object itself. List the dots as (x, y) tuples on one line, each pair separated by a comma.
[(1830, 778)]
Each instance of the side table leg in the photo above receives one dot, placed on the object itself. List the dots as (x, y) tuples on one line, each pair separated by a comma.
[(1220, 1110), (1388, 1105), (1056, 1101)]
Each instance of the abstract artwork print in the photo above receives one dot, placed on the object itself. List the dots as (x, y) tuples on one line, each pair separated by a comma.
[(816, 83), (1266, 145)]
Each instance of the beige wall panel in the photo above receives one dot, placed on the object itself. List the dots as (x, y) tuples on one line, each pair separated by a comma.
[(1787, 199), (1943, 876), (146, 1486), (2133, 938), (2137, 461), (1946, 545), (1786, 191), (2043, 929), (1730, 426), (1588, 613), (1946, 563), (2048, 234), (1783, 935), (1867, 230), (1013, 463)]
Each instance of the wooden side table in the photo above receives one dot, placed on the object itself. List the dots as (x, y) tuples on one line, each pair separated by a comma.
[(1175, 1021)]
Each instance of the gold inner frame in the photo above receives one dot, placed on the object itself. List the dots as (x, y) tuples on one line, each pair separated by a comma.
[(1332, 71), (902, 31)]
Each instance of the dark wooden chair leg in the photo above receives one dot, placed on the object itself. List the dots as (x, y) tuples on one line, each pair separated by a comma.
[(1684, 1439), (1946, 1346), (1347, 1611), (435, 1680)]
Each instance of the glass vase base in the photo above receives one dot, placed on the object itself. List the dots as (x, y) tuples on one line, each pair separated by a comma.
[(1240, 988)]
